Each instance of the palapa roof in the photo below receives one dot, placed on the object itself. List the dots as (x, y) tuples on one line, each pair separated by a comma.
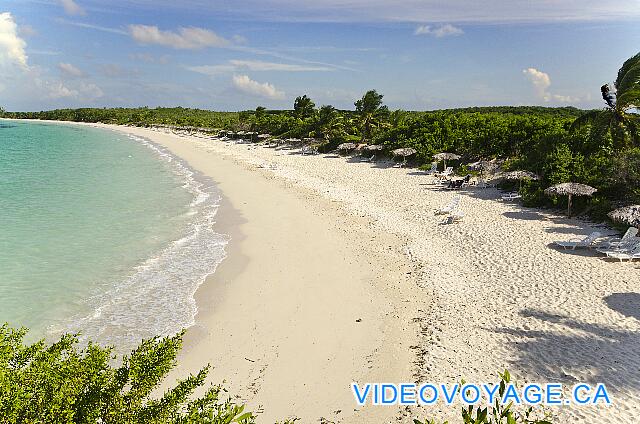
[(627, 214), (346, 146), (374, 147), (485, 165), (406, 151), (446, 156), (575, 189), (519, 175)]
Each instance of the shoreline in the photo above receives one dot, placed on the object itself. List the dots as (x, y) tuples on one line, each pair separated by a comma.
[(308, 328), (484, 295)]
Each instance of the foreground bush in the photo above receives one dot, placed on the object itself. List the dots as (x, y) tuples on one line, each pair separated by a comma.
[(63, 383)]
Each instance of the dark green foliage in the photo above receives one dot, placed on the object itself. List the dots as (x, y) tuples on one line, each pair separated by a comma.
[(497, 413), (138, 116), (62, 383), (371, 113), (303, 107), (619, 119)]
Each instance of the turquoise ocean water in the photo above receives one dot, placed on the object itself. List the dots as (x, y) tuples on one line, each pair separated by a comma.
[(100, 232)]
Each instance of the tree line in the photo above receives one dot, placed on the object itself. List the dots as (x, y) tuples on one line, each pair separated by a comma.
[(600, 147)]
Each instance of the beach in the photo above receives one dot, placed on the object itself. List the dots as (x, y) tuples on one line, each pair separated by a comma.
[(338, 271), (309, 299)]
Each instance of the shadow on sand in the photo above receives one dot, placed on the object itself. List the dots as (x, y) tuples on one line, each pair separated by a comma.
[(578, 350)]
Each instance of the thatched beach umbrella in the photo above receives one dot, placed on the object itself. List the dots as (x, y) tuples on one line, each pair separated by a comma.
[(628, 215), (519, 175), (374, 147), (346, 146), (570, 190), (445, 156), (488, 166), (404, 152)]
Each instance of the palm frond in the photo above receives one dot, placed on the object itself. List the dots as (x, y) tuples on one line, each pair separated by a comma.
[(588, 118), (631, 79), (629, 99), (628, 64)]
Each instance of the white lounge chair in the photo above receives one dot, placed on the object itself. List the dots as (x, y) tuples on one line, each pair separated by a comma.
[(511, 196), (433, 169), (631, 254), (445, 173), (452, 206), (627, 238), (456, 216), (573, 244), (308, 150)]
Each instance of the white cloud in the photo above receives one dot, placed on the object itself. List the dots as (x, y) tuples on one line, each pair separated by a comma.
[(149, 58), (70, 70), (89, 91), (256, 66), (541, 83), (60, 91), (55, 90), (12, 47), (72, 8), (540, 80), (185, 38), (438, 32), (417, 11), (248, 86)]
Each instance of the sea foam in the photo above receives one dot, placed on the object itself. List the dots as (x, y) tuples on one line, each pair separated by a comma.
[(158, 297)]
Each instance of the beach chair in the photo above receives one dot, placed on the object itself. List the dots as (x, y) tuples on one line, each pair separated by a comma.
[(445, 173), (620, 248), (458, 184), (370, 159), (455, 216), (509, 197), (586, 242), (632, 253), (308, 150), (454, 184), (616, 242), (452, 206), (433, 169)]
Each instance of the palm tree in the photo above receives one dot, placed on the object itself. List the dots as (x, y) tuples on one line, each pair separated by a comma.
[(620, 118), (327, 123), (260, 112), (371, 113), (303, 107)]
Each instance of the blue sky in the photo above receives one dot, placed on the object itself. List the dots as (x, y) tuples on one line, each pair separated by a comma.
[(233, 55)]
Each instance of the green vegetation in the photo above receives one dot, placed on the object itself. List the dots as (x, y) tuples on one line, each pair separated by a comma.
[(499, 413), (600, 148), (62, 383), (142, 116)]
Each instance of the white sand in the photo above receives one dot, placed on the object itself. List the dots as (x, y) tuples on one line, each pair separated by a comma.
[(308, 300), (485, 295), (493, 293)]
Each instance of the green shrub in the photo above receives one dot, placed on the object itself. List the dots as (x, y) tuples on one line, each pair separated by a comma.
[(63, 383)]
